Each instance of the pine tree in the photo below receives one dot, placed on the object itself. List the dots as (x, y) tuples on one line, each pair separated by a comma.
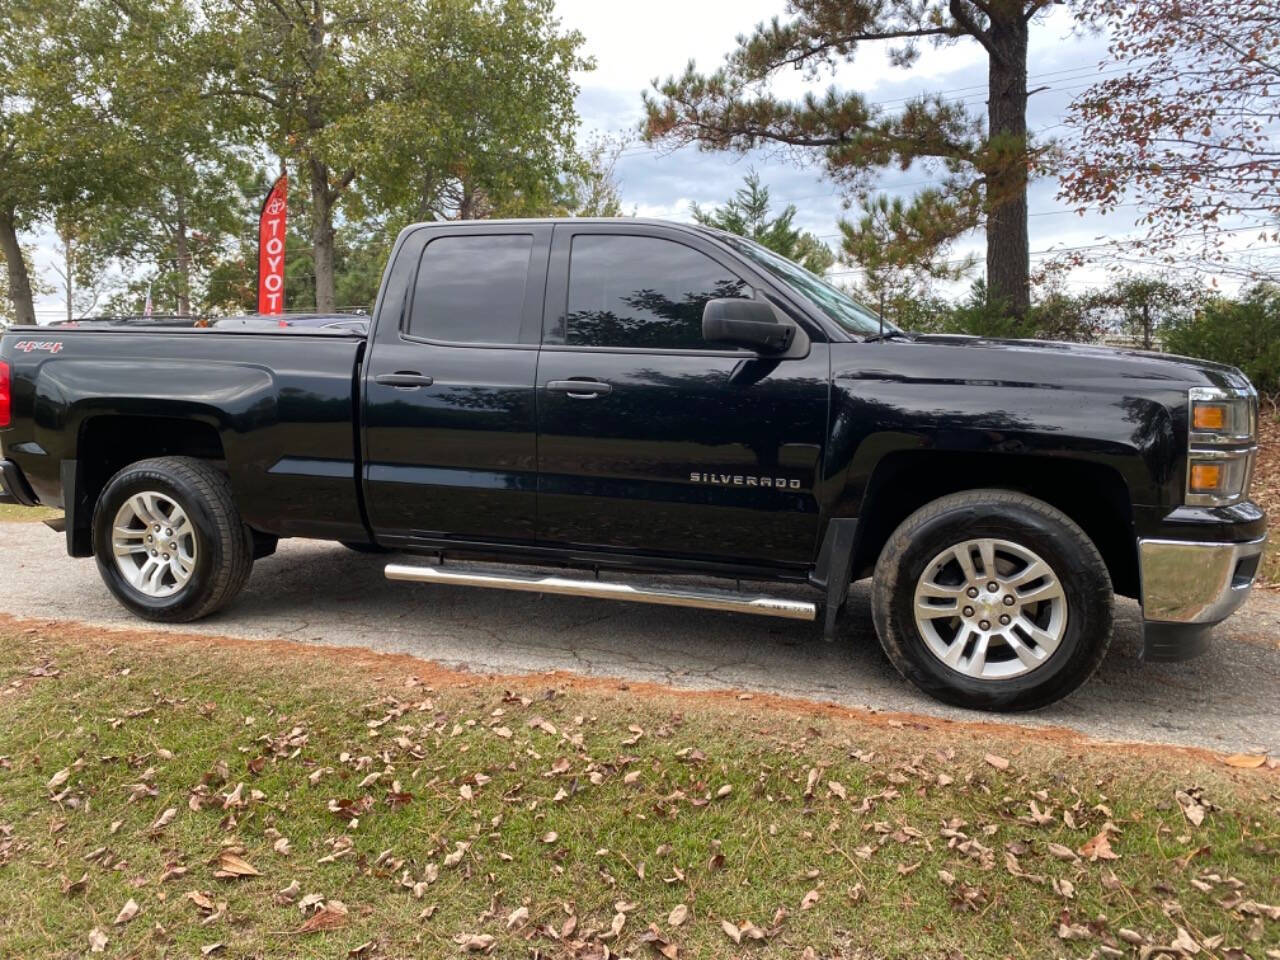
[(986, 163), (747, 215)]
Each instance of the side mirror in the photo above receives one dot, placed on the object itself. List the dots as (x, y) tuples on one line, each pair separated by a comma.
[(746, 323)]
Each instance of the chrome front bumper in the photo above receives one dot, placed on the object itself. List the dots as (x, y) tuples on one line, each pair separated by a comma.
[(1189, 586), (1191, 582)]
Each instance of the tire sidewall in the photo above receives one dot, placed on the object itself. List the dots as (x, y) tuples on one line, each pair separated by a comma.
[(1081, 573), (209, 549)]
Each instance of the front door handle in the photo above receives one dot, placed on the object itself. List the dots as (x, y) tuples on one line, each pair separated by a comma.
[(405, 379), (580, 389)]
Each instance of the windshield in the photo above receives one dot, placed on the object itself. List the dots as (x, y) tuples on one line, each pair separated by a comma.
[(835, 303)]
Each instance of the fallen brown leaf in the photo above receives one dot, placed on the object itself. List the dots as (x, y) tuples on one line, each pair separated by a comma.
[(475, 942), (1185, 943), (201, 900), (654, 938), (1063, 853), (619, 920), (1192, 808), (1247, 761), (72, 887), (127, 912), (731, 931), (1099, 846), (231, 866), (329, 917)]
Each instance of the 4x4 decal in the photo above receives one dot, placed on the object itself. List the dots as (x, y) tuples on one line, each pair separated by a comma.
[(39, 346)]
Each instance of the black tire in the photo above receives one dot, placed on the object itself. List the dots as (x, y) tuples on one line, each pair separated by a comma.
[(1020, 519), (359, 547), (224, 545)]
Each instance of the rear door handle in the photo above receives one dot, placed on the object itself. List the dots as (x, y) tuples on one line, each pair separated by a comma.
[(409, 379), (580, 389)]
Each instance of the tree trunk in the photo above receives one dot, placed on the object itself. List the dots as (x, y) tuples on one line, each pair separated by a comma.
[(322, 236), (466, 206), (70, 265), (1008, 254), (19, 280), (182, 249)]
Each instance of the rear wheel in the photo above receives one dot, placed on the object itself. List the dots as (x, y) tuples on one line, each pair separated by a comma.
[(169, 541), (993, 600)]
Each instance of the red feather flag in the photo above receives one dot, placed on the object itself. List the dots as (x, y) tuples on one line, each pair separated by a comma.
[(271, 231)]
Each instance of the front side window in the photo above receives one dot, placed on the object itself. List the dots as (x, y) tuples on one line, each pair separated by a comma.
[(832, 301), (470, 289), (642, 292)]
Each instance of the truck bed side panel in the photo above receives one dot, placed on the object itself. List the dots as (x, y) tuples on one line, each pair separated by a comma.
[(281, 406)]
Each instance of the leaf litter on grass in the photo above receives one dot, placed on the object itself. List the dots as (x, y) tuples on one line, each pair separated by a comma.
[(601, 826)]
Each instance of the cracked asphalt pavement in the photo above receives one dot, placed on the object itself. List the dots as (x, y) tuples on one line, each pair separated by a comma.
[(1228, 700)]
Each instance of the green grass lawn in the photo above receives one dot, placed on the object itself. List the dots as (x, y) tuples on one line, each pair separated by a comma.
[(272, 800), (13, 512)]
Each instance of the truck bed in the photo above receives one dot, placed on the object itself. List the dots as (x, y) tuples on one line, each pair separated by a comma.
[(279, 405)]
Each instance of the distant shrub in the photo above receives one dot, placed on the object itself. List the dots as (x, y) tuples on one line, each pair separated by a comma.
[(1244, 333), (1054, 316)]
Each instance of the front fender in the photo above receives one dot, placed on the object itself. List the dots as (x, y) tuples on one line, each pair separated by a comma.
[(873, 417)]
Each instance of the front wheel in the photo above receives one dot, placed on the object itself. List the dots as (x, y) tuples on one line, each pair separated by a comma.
[(169, 541), (993, 600)]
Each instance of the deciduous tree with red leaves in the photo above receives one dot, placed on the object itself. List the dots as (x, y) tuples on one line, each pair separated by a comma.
[(1189, 133)]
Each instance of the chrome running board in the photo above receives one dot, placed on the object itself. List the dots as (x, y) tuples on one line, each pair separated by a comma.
[(758, 604)]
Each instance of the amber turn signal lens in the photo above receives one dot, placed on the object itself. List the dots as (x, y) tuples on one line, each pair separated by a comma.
[(1209, 416), (1205, 477)]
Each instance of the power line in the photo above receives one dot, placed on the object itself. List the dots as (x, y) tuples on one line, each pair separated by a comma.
[(1081, 248), (968, 99)]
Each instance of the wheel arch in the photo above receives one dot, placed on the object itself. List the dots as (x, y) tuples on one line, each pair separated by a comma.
[(1092, 494), (108, 443)]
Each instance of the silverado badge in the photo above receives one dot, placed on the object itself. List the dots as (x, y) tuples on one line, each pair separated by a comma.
[(742, 480)]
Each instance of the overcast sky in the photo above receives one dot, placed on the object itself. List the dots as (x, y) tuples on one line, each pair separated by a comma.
[(634, 43), (631, 50)]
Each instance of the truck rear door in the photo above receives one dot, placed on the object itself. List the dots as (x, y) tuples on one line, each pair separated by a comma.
[(450, 433), (652, 440)]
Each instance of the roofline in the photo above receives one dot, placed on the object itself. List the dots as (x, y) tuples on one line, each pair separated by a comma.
[(511, 221)]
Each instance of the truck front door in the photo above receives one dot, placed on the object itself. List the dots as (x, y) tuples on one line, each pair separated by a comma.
[(652, 440), (450, 439)]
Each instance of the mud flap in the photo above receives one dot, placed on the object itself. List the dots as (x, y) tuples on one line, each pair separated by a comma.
[(833, 571)]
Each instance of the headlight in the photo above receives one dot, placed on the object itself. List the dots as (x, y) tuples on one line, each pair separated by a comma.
[(1218, 416), (1223, 431)]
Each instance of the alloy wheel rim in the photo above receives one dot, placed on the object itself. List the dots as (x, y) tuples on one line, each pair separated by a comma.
[(154, 543), (990, 609)]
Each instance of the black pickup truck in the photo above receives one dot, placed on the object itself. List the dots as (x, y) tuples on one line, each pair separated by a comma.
[(628, 396)]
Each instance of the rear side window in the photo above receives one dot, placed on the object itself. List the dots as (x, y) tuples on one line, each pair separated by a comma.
[(470, 289), (642, 292)]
